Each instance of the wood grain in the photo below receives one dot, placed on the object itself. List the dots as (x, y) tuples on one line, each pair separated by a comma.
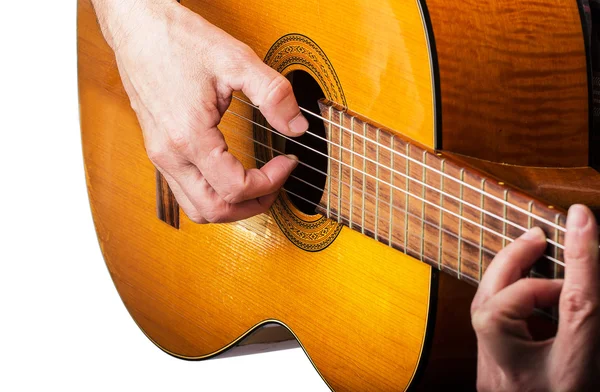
[(433, 207), (359, 307), (197, 290), (166, 204), (513, 78)]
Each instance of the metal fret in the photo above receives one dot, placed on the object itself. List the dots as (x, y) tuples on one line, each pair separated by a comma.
[(407, 200), (460, 224), (351, 172), (364, 181), (504, 213), (424, 178), (555, 265), (391, 226), (377, 187), (482, 205), (440, 253), (329, 177), (341, 179), (529, 226)]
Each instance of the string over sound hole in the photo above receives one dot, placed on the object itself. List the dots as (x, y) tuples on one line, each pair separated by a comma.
[(314, 168)]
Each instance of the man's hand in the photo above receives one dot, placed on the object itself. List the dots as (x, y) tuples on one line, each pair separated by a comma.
[(508, 358), (179, 72)]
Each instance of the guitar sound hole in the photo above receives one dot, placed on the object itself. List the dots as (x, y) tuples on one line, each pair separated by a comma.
[(307, 92)]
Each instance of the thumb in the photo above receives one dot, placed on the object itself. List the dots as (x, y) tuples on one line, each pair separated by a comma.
[(273, 94), (579, 301)]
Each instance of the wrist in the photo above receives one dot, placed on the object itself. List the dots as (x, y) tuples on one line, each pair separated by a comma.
[(119, 19)]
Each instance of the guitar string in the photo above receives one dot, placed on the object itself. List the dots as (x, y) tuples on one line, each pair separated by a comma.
[(434, 262), (408, 177), (381, 200), (554, 243), (339, 217), (461, 182)]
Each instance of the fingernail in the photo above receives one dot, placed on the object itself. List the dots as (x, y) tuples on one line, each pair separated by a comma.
[(293, 157), (534, 234), (577, 217), (298, 125)]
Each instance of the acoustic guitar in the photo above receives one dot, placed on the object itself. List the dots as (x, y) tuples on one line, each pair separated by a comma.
[(439, 132)]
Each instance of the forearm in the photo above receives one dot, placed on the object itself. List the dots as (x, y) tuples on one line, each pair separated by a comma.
[(118, 17)]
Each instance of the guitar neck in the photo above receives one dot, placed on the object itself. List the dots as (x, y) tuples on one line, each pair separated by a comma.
[(427, 205)]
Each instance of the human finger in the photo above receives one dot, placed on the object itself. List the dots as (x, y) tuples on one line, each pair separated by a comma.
[(209, 207), (579, 314), (273, 94), (228, 176), (500, 323), (510, 264)]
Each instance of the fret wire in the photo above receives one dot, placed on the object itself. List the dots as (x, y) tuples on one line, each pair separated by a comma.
[(437, 206), (529, 226), (407, 201), (556, 220), (504, 215), (406, 211), (481, 230), (351, 171), (541, 219), (505, 203), (460, 224), (364, 182), (377, 187), (424, 177), (397, 208), (555, 266), (410, 178), (416, 217), (340, 167), (441, 240), (329, 165), (391, 225)]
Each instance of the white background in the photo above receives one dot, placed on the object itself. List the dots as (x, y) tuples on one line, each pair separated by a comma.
[(62, 323)]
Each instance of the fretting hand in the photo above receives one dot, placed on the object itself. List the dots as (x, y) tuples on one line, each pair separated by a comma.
[(179, 72), (508, 358)]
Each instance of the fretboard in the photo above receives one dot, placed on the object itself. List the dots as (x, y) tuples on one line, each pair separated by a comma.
[(425, 204)]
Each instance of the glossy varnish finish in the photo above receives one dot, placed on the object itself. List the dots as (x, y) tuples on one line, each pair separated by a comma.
[(197, 289), (360, 308), (514, 81), (435, 208)]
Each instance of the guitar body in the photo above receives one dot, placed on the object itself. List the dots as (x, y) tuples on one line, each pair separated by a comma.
[(502, 88)]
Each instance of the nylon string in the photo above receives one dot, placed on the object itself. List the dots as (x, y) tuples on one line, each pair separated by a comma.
[(379, 199), (394, 152)]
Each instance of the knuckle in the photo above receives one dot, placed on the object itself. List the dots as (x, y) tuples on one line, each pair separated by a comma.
[(179, 141), (278, 89), (579, 306), (234, 193), (577, 255), (158, 154), (237, 56), (195, 215), (243, 52), (214, 215), (475, 305), (484, 321), (135, 106)]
